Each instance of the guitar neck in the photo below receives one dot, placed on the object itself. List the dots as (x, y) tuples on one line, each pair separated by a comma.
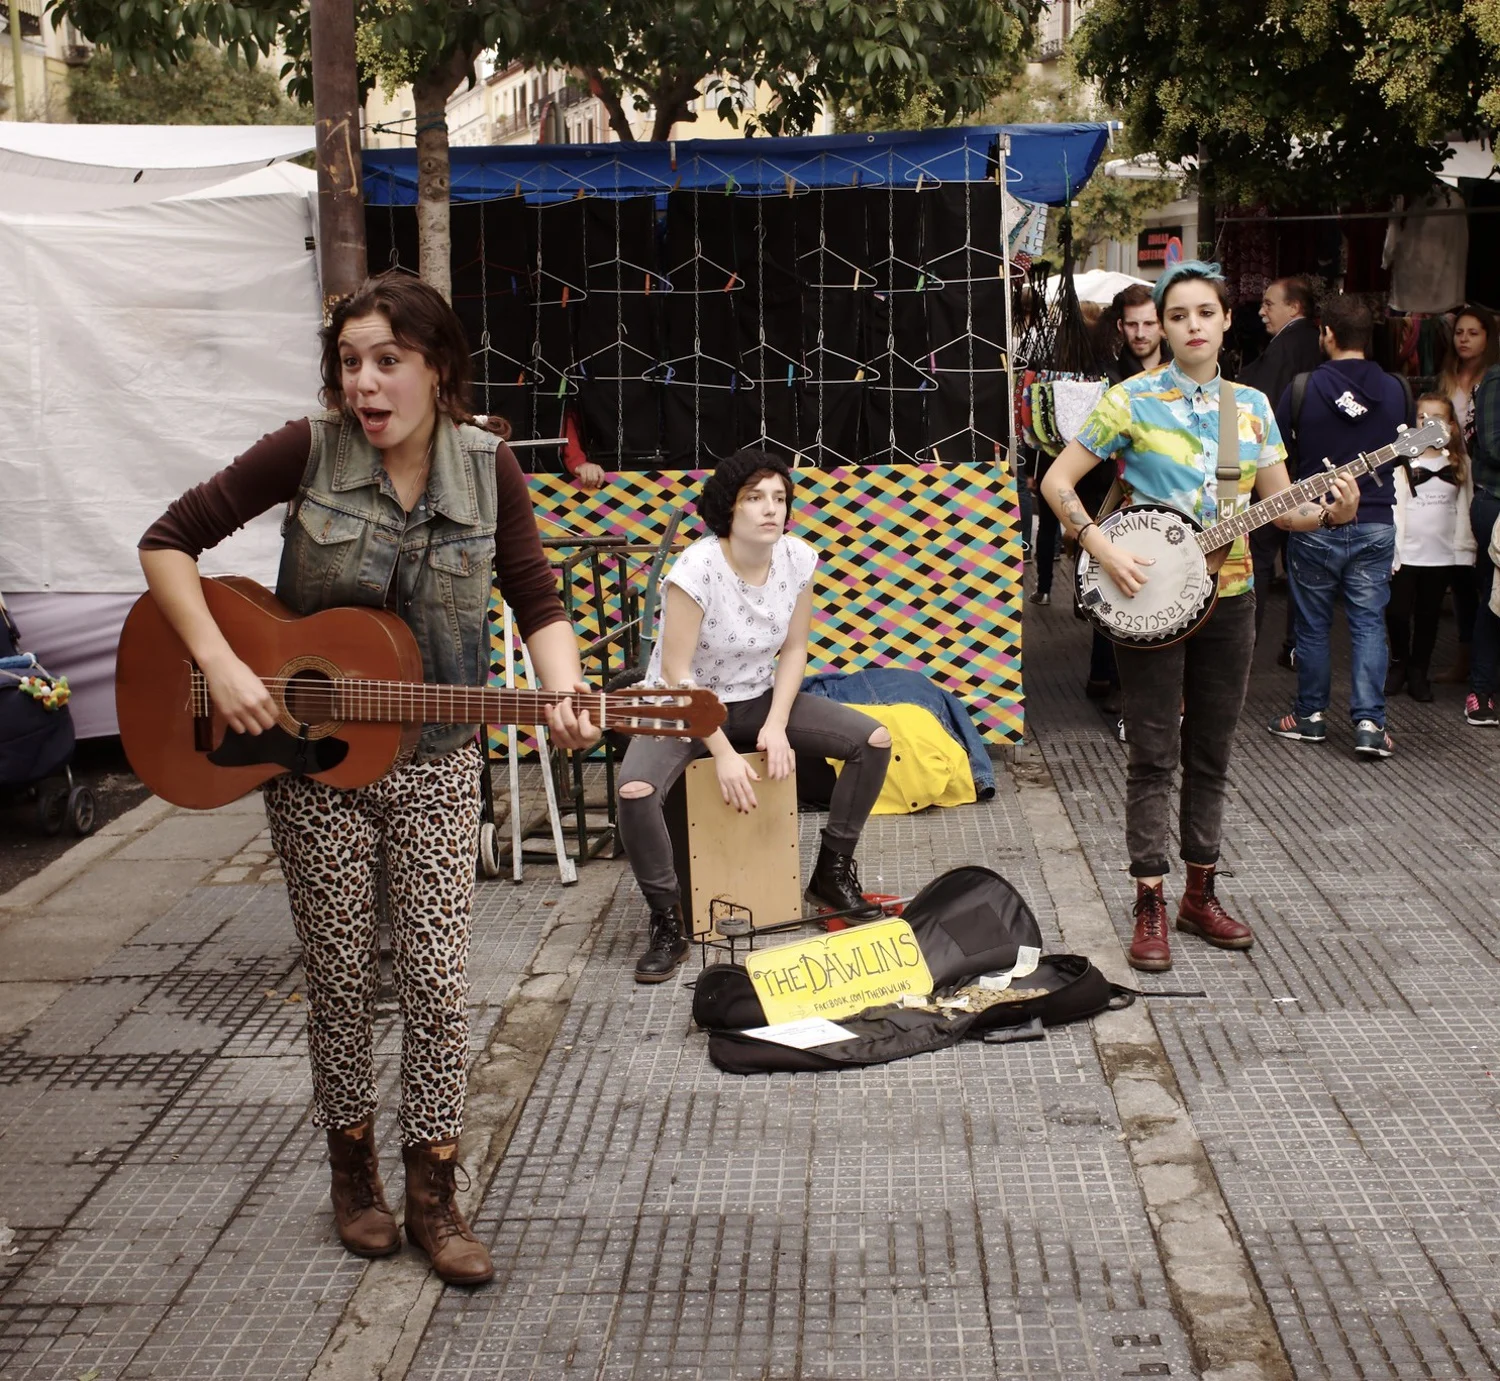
[(402, 702), (409, 702), (1222, 533)]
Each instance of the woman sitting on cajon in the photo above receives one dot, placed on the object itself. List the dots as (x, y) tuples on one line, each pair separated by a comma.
[(735, 618)]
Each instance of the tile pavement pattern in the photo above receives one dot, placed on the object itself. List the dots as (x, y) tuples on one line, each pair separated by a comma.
[(166, 1190), (1344, 1076), (969, 1214)]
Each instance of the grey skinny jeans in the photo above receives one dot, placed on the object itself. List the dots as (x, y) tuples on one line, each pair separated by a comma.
[(1207, 675), (815, 725)]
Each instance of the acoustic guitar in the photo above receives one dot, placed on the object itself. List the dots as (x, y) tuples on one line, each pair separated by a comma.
[(349, 695)]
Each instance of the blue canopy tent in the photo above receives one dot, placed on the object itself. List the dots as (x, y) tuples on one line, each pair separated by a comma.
[(1046, 163)]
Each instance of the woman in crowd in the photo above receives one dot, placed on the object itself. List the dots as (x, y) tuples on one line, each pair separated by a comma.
[(736, 613), (397, 501), (1473, 348), (1434, 550)]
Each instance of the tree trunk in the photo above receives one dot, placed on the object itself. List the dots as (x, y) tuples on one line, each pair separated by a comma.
[(434, 239), (671, 102), (341, 201), (619, 121)]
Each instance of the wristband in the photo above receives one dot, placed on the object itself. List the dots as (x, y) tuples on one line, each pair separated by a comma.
[(1078, 536), (1325, 521)]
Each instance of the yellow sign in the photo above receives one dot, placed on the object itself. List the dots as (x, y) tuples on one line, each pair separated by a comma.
[(839, 974)]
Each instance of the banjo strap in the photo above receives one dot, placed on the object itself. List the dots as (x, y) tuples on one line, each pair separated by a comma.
[(1228, 472)]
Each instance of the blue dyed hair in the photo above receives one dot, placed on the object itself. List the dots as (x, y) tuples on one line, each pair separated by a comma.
[(1188, 269)]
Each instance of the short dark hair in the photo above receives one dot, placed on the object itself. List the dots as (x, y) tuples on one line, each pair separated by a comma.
[(1299, 293), (1135, 295), (731, 477), (1350, 321), (421, 320)]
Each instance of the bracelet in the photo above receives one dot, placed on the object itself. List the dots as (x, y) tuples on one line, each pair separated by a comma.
[(1325, 521), (1078, 536)]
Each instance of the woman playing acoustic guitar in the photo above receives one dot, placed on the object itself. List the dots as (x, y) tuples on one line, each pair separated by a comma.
[(398, 501)]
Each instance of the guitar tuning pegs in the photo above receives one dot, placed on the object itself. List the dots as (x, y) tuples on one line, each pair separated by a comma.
[(1402, 427)]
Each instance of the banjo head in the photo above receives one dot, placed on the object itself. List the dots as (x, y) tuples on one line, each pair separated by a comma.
[(1179, 589)]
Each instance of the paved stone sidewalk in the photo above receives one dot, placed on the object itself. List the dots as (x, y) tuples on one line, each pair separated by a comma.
[(985, 1212), (1345, 1075)]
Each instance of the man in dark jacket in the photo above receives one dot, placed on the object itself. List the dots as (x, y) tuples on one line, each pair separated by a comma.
[(1289, 311), (1352, 406)]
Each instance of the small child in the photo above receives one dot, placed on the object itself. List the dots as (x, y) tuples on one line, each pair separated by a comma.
[(1434, 548)]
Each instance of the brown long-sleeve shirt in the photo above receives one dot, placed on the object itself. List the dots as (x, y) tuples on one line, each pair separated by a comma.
[(268, 475)]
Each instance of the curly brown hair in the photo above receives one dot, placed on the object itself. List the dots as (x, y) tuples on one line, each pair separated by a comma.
[(421, 320), (731, 477)]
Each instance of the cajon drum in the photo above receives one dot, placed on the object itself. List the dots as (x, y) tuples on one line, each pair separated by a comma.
[(752, 860)]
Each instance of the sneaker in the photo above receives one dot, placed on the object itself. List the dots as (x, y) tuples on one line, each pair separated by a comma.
[(1307, 728), (1041, 597), (1480, 712), (1371, 740)]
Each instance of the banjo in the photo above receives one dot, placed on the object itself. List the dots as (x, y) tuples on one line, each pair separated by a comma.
[(1183, 585)]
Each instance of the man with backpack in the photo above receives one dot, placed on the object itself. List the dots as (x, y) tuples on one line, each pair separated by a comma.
[(1349, 405)]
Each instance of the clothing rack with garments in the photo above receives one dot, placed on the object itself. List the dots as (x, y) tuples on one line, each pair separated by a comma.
[(824, 306)]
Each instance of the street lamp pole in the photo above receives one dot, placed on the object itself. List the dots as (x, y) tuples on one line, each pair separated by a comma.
[(341, 204)]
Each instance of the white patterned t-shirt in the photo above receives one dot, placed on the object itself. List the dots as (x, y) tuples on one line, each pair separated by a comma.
[(744, 625)]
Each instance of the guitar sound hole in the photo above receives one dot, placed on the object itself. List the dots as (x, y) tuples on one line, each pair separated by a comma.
[(310, 697)]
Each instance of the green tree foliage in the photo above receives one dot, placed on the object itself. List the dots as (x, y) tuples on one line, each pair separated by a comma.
[(1331, 102), (206, 89), (879, 56), (663, 55)]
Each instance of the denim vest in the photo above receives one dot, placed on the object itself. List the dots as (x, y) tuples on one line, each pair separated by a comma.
[(347, 538)]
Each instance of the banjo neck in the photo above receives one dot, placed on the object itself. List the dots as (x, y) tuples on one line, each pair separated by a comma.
[(1222, 533)]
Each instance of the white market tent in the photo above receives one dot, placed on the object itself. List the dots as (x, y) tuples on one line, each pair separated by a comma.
[(1096, 285), (164, 308)]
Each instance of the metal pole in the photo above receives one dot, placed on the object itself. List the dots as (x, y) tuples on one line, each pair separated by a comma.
[(17, 85), (341, 203), (1010, 345)]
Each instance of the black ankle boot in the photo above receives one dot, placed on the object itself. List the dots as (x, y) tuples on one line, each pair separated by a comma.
[(835, 884), (666, 948)]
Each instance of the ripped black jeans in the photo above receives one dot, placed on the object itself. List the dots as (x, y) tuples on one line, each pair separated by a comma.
[(815, 725)]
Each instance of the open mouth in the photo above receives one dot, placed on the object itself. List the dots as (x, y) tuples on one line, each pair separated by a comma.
[(374, 419)]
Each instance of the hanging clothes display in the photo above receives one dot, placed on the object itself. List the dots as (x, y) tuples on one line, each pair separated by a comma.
[(1428, 255)]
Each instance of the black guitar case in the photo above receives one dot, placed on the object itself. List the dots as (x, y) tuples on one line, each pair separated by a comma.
[(968, 922)]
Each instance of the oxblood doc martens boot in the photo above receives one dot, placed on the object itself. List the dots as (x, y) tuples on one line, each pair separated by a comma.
[(1201, 913)]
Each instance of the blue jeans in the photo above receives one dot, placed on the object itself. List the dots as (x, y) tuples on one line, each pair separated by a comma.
[(1353, 561), (1483, 513)]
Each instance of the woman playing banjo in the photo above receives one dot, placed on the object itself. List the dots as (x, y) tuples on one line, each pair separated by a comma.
[(1161, 429)]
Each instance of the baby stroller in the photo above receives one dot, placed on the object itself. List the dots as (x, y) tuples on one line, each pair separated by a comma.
[(36, 740)]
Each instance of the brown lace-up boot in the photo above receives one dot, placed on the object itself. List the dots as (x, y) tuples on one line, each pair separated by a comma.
[(366, 1225), (433, 1221), (1202, 914), (1150, 950)]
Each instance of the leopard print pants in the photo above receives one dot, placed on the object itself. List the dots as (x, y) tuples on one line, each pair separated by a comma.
[(426, 816)]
